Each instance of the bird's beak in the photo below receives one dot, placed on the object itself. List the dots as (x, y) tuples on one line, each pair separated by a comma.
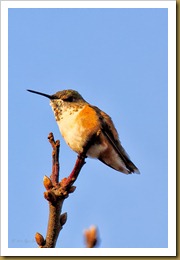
[(42, 94)]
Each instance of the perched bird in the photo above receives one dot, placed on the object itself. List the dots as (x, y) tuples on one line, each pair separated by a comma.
[(87, 129)]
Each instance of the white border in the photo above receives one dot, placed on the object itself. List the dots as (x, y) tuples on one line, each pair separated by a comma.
[(171, 250), (88, 4)]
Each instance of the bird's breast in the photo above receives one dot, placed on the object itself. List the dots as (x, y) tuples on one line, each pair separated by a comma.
[(77, 125)]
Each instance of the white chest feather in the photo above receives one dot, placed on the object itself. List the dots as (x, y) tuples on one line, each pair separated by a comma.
[(71, 130), (77, 125)]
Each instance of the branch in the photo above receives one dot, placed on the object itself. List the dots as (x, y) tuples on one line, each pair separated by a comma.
[(55, 159), (56, 193)]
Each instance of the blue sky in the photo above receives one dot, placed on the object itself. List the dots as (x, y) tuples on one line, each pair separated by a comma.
[(117, 59)]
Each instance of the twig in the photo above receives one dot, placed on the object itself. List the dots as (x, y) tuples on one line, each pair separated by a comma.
[(56, 193), (55, 159), (68, 182)]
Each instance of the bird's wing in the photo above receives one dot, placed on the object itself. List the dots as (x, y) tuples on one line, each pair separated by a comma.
[(111, 134)]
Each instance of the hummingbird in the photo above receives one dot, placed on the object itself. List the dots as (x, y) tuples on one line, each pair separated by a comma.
[(83, 125)]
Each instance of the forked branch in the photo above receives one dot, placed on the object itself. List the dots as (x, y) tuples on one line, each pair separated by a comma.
[(56, 192)]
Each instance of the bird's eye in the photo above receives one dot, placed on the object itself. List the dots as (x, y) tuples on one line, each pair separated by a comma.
[(69, 99)]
